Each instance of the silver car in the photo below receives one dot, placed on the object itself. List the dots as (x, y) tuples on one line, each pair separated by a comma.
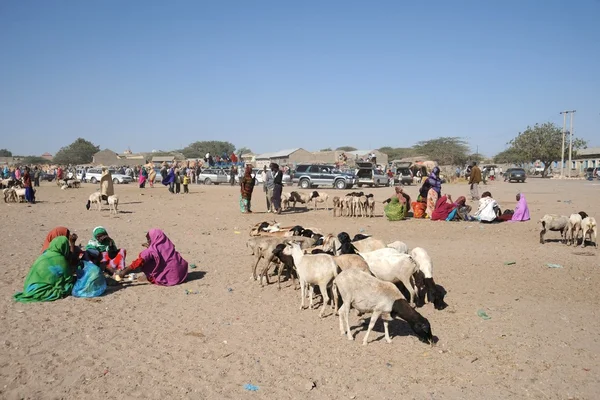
[(93, 175), (213, 176)]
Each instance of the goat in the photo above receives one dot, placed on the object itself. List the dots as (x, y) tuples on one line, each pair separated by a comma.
[(314, 269), (19, 194), (95, 197), (317, 197), (589, 227), (573, 228), (263, 248), (425, 266), (285, 201), (347, 261), (371, 205), (297, 197), (366, 293), (337, 206), (369, 244), (287, 261), (113, 203), (399, 246), (363, 205), (390, 266), (360, 236), (554, 222), (10, 195)]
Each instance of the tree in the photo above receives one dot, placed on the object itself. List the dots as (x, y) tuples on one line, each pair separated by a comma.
[(347, 148), (397, 153), (79, 152), (244, 150), (32, 160), (214, 147), (445, 150), (5, 153), (327, 149), (510, 156), (542, 142)]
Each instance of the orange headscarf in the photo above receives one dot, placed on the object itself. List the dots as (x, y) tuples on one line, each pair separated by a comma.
[(53, 234)]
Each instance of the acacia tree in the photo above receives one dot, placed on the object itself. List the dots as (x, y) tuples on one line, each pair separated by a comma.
[(397, 153), (541, 142), (347, 148), (445, 150), (79, 152), (5, 153), (214, 147), (244, 150)]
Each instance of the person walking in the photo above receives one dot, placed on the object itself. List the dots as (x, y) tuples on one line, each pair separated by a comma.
[(474, 181), (277, 187), (36, 176), (268, 185), (246, 186)]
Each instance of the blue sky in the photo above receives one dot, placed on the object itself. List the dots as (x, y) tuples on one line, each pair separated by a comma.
[(278, 74)]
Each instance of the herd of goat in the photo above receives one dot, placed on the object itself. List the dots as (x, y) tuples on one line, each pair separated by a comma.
[(354, 204), (570, 228), (368, 274), (14, 192)]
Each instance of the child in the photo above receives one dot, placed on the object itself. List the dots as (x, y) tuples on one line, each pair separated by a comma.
[(186, 182), (177, 181)]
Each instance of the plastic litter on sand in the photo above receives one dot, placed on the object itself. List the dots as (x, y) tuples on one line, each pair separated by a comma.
[(554, 265), (510, 262), (483, 315), (250, 387), (187, 291), (192, 266)]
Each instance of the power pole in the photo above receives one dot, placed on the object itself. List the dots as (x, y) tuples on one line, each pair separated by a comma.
[(562, 154), (571, 142)]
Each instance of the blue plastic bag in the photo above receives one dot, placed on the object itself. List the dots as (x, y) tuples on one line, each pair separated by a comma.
[(90, 281)]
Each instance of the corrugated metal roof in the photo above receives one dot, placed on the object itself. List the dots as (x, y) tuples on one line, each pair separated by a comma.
[(277, 154), (589, 151)]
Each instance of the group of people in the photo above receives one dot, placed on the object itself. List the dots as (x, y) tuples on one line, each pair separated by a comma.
[(431, 204), (272, 186), (53, 274), (174, 177)]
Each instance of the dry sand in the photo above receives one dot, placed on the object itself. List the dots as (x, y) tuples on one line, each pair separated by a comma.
[(149, 342)]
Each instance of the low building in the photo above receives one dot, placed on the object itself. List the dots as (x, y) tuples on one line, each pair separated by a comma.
[(107, 158), (289, 157), (158, 160), (47, 156)]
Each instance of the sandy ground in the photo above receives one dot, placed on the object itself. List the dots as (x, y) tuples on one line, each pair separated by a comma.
[(149, 342)]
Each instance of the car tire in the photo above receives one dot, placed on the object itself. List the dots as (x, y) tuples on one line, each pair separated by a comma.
[(94, 181), (304, 184), (115, 181), (340, 184), (207, 181)]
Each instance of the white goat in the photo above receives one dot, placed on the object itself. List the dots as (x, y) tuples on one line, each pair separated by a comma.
[(95, 197), (314, 269), (390, 266), (337, 206), (366, 294), (554, 222), (369, 244), (399, 246), (113, 203), (589, 227), (319, 197), (347, 261), (573, 229)]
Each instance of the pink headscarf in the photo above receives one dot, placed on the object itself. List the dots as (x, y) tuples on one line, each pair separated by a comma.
[(522, 210), (163, 265)]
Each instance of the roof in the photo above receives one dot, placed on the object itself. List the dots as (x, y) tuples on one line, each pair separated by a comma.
[(589, 151), (277, 154), (46, 154)]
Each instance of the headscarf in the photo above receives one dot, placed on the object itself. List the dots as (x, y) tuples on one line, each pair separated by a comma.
[(399, 195), (53, 234), (50, 277), (521, 210), (95, 244), (434, 180), (170, 178), (163, 265)]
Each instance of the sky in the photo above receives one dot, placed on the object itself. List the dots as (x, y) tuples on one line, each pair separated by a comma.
[(271, 75)]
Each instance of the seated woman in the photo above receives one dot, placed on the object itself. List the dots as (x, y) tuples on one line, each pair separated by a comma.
[(402, 197), (50, 277), (443, 207), (463, 210), (419, 207), (521, 210), (74, 251), (488, 210), (395, 210), (160, 262), (103, 249)]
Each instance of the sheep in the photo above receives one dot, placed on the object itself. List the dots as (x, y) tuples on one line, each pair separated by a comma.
[(287, 261), (337, 206), (573, 228), (369, 244), (347, 261), (285, 201), (589, 227), (327, 246), (399, 246), (113, 203), (95, 197), (74, 183), (263, 247), (553, 222), (371, 205), (363, 205), (19, 194), (390, 266), (314, 269), (321, 197), (425, 266), (383, 299), (297, 197)]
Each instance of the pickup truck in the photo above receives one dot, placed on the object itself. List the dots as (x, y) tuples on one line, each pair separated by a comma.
[(368, 175)]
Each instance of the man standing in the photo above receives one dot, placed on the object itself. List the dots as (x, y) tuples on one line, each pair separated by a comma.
[(277, 187), (232, 173), (268, 185), (474, 181)]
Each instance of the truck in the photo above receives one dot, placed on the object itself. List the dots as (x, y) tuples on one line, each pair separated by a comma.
[(369, 175)]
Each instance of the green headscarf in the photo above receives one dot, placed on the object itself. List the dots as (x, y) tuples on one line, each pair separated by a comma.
[(50, 277), (95, 244)]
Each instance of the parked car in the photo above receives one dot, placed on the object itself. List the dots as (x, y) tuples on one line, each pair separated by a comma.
[(515, 174), (369, 175), (286, 179), (404, 175), (213, 176), (313, 175), (44, 176), (93, 175)]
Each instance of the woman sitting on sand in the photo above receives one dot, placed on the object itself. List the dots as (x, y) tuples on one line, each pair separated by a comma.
[(521, 212), (74, 251), (402, 197), (160, 262), (432, 189), (103, 248), (50, 277), (445, 207), (488, 210)]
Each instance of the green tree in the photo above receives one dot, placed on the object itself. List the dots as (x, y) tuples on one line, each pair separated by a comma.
[(244, 150), (32, 160), (5, 153), (397, 153), (214, 147), (445, 150), (542, 142), (79, 152), (347, 148), (327, 149), (510, 156)]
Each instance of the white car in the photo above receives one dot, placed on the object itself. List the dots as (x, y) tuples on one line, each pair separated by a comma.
[(93, 175)]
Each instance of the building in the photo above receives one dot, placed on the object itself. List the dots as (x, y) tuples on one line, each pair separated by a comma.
[(357, 155), (289, 157), (584, 159), (107, 158), (47, 156), (158, 160)]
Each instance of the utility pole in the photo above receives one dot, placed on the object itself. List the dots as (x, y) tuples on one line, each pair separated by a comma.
[(571, 142), (562, 153)]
